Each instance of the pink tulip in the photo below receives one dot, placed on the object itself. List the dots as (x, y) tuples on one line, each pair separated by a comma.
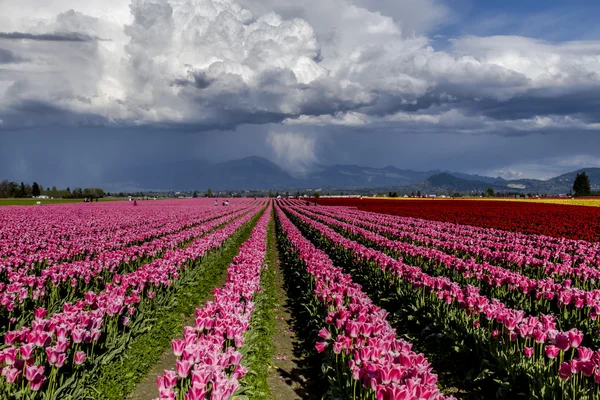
[(238, 341), (178, 346), (575, 337), (564, 371), (552, 351), (183, 368), (321, 346), (79, 358), (195, 393), (10, 355), (324, 334), (528, 351), (11, 374), (36, 385), (40, 313), (26, 351), (563, 341), (170, 379)]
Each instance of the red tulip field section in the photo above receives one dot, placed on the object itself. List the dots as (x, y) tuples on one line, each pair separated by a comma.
[(557, 220), (389, 300)]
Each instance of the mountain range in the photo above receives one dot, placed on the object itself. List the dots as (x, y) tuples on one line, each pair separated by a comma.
[(260, 173)]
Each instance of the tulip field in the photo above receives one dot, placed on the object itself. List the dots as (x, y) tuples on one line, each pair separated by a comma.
[(390, 301)]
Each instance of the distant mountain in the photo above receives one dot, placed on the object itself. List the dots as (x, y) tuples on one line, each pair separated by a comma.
[(260, 173), (478, 178), (354, 176), (451, 183), (568, 178)]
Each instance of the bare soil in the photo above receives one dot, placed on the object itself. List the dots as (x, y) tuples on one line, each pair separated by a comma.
[(287, 377)]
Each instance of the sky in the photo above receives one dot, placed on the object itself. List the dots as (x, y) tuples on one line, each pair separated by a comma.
[(503, 88)]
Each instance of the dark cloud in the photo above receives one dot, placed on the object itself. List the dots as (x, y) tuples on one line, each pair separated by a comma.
[(9, 57), (31, 113), (50, 37), (197, 79), (583, 103)]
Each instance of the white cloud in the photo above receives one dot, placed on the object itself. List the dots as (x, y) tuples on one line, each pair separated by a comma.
[(294, 151), (509, 174), (214, 63)]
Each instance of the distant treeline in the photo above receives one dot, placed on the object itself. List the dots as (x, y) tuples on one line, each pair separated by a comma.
[(22, 190)]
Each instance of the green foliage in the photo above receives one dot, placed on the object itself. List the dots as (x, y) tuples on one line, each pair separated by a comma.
[(258, 348), (116, 379), (489, 192), (35, 189), (316, 195), (209, 193), (21, 193), (581, 185), (23, 190)]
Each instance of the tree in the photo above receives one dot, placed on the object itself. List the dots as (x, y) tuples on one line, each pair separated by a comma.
[(21, 192), (5, 188), (581, 185), (77, 193), (99, 193), (35, 189), (194, 195), (489, 192), (209, 193), (418, 193), (316, 195)]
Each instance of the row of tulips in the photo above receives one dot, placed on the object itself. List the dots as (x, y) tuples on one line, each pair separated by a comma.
[(95, 329), (208, 360), (47, 235), (63, 282), (521, 345), (369, 361), (575, 307), (532, 260)]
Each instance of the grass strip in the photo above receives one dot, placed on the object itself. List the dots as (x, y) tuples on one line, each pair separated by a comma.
[(118, 378)]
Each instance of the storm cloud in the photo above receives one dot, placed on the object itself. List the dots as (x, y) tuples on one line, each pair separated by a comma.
[(49, 37)]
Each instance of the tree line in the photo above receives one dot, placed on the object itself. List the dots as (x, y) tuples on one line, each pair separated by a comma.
[(23, 190)]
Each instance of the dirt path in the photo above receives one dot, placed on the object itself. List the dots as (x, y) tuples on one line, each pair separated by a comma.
[(286, 379)]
